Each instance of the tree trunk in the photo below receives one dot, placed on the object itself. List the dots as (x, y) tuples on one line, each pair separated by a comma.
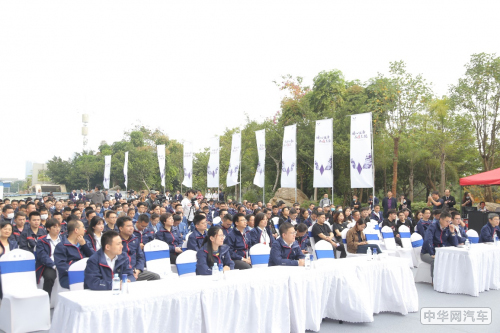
[(410, 185), (395, 165), (488, 194), (277, 162), (147, 184), (361, 195), (385, 180), (443, 173), (315, 194)]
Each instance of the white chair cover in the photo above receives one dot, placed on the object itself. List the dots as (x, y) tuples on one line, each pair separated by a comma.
[(186, 263), (259, 255), (216, 220), (312, 241), (324, 250), (157, 255), (390, 244), (185, 243), (423, 269), (76, 274), (473, 236), (21, 295), (275, 221)]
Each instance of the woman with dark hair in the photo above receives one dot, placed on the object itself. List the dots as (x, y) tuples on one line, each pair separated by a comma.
[(285, 214), (170, 235), (338, 225), (261, 234), (304, 217), (213, 251), (467, 202), (347, 215), (94, 233), (7, 244), (356, 240)]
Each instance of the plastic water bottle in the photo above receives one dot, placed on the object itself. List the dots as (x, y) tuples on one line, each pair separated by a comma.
[(215, 272), (369, 253), (116, 284), (124, 284), (307, 263), (496, 239), (374, 251), (467, 244)]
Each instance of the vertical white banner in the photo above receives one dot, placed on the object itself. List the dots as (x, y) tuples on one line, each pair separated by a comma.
[(323, 154), (107, 170), (234, 161), (125, 170), (213, 163), (289, 157), (361, 151), (160, 150), (188, 165), (261, 150)]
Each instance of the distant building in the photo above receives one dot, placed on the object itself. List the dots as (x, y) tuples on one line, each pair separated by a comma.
[(29, 169), (37, 167)]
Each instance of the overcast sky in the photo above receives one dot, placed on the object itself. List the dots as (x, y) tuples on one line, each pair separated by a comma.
[(193, 68)]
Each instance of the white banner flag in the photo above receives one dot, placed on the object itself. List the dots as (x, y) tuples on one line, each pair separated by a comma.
[(323, 154), (188, 165), (234, 161), (289, 158), (213, 163), (361, 151), (160, 150), (261, 149), (125, 170), (107, 170)]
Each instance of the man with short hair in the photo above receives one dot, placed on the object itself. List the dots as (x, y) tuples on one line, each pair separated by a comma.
[(424, 223), (46, 245), (142, 230), (441, 234), (325, 201), (187, 206), (388, 203), (390, 222), (110, 221), (196, 238), (355, 203), (152, 201), (70, 250), (109, 260), (449, 200), (96, 197), (7, 214), (132, 247), (19, 225), (178, 196), (285, 251), (457, 222), (118, 195), (365, 214), (29, 236), (226, 224), (489, 230), (435, 201), (376, 214)]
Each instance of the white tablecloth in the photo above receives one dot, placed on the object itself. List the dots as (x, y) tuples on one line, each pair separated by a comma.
[(274, 299), (153, 306), (458, 271)]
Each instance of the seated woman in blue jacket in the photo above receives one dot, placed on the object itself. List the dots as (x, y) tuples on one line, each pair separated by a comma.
[(260, 234), (94, 233), (45, 247), (488, 231), (195, 240), (285, 250), (213, 251), (106, 262), (170, 235), (239, 242), (7, 243), (438, 234)]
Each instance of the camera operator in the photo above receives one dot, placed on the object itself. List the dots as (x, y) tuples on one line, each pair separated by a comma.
[(152, 200), (189, 206)]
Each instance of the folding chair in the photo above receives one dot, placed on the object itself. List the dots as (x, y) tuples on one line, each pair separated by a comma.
[(157, 255), (21, 295), (184, 246), (186, 263), (275, 221), (313, 242), (423, 269), (259, 255), (390, 244)]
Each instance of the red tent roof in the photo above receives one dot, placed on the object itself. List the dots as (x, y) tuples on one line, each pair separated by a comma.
[(485, 178)]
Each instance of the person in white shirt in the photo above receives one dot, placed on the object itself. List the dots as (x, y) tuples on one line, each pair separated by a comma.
[(45, 246), (187, 206), (261, 234)]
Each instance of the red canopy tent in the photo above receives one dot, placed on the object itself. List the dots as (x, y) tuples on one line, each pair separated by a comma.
[(491, 177)]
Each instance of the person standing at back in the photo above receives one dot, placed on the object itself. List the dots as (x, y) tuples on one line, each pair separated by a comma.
[(325, 201), (388, 203)]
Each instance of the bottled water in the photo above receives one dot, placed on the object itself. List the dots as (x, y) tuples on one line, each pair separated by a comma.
[(496, 239), (124, 284), (374, 251), (307, 263), (215, 272), (116, 284), (467, 244), (369, 253)]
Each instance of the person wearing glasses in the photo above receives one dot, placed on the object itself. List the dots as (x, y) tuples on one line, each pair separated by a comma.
[(285, 251), (239, 243), (213, 251), (457, 221)]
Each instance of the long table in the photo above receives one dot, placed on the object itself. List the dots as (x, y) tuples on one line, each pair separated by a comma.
[(461, 271), (273, 299)]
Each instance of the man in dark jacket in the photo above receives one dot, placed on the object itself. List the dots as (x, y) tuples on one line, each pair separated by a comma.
[(109, 260), (285, 251), (388, 203)]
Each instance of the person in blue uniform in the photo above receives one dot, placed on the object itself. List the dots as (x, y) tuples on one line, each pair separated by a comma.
[(213, 251), (285, 250)]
